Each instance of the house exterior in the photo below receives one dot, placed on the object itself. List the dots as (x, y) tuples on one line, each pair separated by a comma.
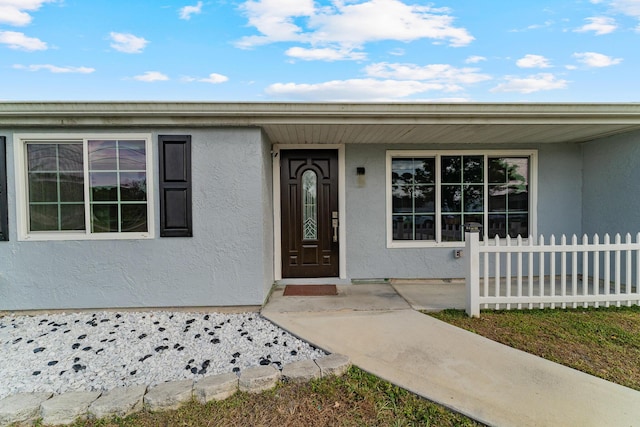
[(152, 204)]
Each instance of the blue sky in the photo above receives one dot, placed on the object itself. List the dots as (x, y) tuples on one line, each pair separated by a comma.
[(333, 50)]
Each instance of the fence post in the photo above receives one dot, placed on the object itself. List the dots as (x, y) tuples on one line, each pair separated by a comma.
[(472, 272)]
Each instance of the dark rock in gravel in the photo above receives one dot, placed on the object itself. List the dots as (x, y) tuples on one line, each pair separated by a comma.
[(197, 336), (99, 351), (76, 359), (145, 357), (187, 368), (294, 353), (232, 361), (265, 362), (104, 340), (67, 331), (141, 336), (51, 363), (191, 360), (180, 348), (215, 341), (194, 370), (236, 354), (36, 373), (78, 367), (38, 350), (118, 316), (206, 317), (161, 329), (83, 336), (176, 346), (76, 346), (202, 371), (211, 333), (62, 372), (236, 369), (133, 372), (86, 348), (190, 321), (17, 340)]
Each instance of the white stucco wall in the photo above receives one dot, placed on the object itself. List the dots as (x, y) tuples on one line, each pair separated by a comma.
[(559, 210), (228, 261), (612, 185)]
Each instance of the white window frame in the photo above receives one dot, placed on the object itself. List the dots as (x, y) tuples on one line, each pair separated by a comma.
[(22, 200), (437, 154)]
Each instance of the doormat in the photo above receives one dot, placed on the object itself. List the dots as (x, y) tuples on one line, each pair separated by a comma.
[(310, 290)]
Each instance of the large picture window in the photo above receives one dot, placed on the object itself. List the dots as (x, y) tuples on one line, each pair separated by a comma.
[(85, 188), (432, 195)]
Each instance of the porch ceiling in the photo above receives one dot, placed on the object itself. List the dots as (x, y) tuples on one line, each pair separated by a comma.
[(317, 123)]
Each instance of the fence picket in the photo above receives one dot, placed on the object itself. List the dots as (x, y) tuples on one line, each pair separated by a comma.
[(617, 269), (519, 267), (607, 268), (596, 269), (585, 269), (563, 273), (627, 280), (574, 269)]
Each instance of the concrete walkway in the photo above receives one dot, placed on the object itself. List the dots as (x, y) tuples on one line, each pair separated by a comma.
[(492, 383)]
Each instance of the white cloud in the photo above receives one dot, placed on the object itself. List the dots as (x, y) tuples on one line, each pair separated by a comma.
[(15, 12), (530, 84), (151, 76), (593, 59), (354, 90), (533, 61), (435, 73), (325, 54), (474, 59), (18, 41), (347, 24), (213, 78), (599, 24), (55, 68), (127, 43), (187, 11), (628, 7), (397, 52)]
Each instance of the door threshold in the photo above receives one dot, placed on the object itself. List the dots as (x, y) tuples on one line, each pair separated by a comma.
[(313, 281)]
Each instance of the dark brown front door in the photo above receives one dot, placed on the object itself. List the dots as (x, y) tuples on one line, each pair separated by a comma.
[(309, 209)]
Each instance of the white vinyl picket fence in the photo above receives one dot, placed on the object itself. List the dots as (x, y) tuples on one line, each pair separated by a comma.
[(516, 274)]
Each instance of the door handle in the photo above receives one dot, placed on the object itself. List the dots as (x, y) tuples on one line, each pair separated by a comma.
[(334, 224)]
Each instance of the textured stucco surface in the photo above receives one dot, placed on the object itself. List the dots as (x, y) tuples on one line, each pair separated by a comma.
[(611, 185), (226, 262), (559, 210)]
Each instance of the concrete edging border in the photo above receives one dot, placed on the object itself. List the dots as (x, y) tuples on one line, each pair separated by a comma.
[(66, 408)]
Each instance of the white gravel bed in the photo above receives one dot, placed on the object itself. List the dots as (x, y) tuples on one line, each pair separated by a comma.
[(104, 350)]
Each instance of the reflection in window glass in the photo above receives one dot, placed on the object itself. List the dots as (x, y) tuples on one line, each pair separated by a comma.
[(491, 191), (55, 181), (413, 198)]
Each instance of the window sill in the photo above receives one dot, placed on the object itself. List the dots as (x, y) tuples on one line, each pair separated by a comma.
[(431, 244), (43, 237)]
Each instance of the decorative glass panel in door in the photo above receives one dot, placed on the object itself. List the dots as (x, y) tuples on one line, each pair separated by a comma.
[(310, 205)]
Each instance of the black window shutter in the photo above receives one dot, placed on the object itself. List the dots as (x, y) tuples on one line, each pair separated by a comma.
[(4, 209), (175, 185)]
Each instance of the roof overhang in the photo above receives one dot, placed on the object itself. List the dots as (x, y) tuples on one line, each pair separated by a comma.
[(317, 123)]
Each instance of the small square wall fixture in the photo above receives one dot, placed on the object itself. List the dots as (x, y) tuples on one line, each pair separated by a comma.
[(360, 171)]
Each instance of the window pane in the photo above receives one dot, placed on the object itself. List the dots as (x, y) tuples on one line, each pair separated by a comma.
[(133, 186), (70, 157), (497, 198), (402, 227), (425, 198), (473, 169), (425, 170), (72, 217), (425, 227), (473, 198), (72, 187), (519, 225), (401, 199), (43, 187), (451, 198), (132, 155), (518, 199), (474, 219), (102, 155), (134, 218), (497, 225), (497, 171), (451, 170), (451, 228), (104, 186), (402, 171), (43, 217), (104, 218), (42, 157)]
